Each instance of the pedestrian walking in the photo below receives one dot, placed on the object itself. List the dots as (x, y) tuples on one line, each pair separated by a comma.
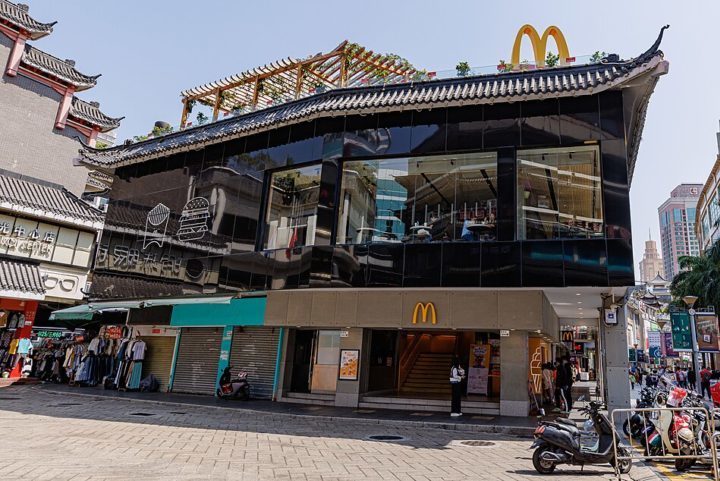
[(681, 378), (640, 377), (565, 382), (691, 379), (705, 375), (548, 389), (457, 373), (632, 380)]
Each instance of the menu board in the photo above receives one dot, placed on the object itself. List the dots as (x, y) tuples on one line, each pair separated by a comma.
[(349, 362)]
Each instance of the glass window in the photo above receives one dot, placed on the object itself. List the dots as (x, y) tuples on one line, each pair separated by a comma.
[(559, 194), (691, 215), (292, 208), (677, 216), (422, 199)]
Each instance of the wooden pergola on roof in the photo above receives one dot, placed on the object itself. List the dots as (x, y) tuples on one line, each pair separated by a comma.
[(347, 65)]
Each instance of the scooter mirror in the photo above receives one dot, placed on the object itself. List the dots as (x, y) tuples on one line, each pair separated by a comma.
[(542, 412)]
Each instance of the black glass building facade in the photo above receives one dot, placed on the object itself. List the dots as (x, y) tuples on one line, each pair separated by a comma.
[(522, 194)]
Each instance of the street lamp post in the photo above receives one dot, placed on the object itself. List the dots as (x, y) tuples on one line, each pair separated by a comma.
[(690, 302)]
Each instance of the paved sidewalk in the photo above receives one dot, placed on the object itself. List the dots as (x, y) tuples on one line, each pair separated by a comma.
[(467, 423), (57, 435)]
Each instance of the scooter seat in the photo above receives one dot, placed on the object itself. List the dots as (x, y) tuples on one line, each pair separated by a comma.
[(567, 422)]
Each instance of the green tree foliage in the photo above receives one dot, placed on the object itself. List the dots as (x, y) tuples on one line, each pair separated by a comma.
[(462, 69), (552, 59), (699, 276)]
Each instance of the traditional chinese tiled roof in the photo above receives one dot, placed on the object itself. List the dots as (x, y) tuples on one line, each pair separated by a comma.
[(25, 195), (539, 84), (108, 286), (57, 68), (91, 114), (20, 277), (18, 16)]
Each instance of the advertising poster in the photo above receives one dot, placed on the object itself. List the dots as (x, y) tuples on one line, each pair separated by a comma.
[(668, 345), (681, 336), (349, 364), (707, 332), (479, 369), (654, 344)]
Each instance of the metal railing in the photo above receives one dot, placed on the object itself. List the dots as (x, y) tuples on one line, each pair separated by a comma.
[(671, 449)]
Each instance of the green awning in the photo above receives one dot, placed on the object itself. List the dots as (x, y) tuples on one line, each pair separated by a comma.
[(75, 313)]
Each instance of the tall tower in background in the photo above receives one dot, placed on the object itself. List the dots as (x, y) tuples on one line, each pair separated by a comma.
[(677, 226), (651, 264)]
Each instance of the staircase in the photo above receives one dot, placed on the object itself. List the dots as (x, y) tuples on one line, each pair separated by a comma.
[(430, 375)]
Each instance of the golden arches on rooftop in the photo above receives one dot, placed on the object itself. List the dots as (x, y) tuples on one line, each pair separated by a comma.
[(539, 44)]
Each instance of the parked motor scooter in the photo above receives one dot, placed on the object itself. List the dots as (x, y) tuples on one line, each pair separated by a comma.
[(231, 388), (554, 446), (670, 427)]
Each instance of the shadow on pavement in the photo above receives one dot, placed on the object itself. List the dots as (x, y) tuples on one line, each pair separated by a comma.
[(201, 412)]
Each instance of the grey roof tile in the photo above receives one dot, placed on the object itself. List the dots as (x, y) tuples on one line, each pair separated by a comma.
[(18, 15), (20, 276), (60, 69), (91, 113), (44, 199)]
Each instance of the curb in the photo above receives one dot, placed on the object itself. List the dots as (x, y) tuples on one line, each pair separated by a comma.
[(468, 428)]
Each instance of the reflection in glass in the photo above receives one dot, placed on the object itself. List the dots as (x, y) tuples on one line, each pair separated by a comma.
[(423, 199), (292, 208), (559, 195)]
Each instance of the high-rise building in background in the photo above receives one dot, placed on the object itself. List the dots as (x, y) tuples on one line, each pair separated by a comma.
[(651, 264), (677, 226)]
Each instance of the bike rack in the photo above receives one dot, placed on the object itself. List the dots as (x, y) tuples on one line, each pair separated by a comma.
[(637, 450)]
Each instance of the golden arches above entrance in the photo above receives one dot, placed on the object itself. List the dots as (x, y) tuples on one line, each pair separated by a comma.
[(539, 44)]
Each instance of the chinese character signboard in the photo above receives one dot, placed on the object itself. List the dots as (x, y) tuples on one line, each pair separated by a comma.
[(706, 326), (681, 336), (654, 344)]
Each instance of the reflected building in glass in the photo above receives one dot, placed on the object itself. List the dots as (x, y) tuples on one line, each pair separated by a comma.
[(393, 227)]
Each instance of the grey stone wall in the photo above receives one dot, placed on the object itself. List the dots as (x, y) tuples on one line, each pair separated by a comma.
[(29, 143)]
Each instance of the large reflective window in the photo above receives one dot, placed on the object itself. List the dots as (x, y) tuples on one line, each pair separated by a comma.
[(559, 194), (421, 199), (292, 208)]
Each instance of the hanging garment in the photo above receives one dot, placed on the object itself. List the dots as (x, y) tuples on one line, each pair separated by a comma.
[(24, 346), (138, 351)]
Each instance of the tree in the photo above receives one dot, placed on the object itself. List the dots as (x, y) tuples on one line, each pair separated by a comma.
[(699, 276), (552, 59), (462, 69)]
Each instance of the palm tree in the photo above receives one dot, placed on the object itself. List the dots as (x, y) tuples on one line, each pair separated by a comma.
[(699, 276)]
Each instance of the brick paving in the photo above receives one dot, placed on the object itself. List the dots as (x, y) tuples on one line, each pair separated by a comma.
[(45, 435)]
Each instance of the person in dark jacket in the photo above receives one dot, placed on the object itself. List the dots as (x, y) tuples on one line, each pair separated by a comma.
[(691, 378), (565, 382)]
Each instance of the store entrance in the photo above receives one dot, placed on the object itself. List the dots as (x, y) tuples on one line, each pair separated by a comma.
[(302, 361), (416, 364)]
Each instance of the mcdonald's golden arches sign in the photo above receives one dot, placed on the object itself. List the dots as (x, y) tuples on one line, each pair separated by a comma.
[(425, 310), (539, 44)]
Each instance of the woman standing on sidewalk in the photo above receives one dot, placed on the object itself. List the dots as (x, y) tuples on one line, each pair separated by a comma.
[(457, 373)]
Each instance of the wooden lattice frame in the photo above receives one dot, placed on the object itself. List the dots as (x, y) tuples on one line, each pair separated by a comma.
[(347, 65)]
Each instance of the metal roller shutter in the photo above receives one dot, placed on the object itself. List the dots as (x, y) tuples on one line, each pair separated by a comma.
[(197, 360), (158, 358), (254, 349)]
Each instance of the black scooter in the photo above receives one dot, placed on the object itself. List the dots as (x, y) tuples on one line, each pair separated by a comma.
[(226, 389), (558, 445)]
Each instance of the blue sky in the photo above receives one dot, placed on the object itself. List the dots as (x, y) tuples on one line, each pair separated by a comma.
[(148, 51)]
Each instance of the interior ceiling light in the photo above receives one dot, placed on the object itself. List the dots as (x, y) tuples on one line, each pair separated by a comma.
[(578, 294)]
